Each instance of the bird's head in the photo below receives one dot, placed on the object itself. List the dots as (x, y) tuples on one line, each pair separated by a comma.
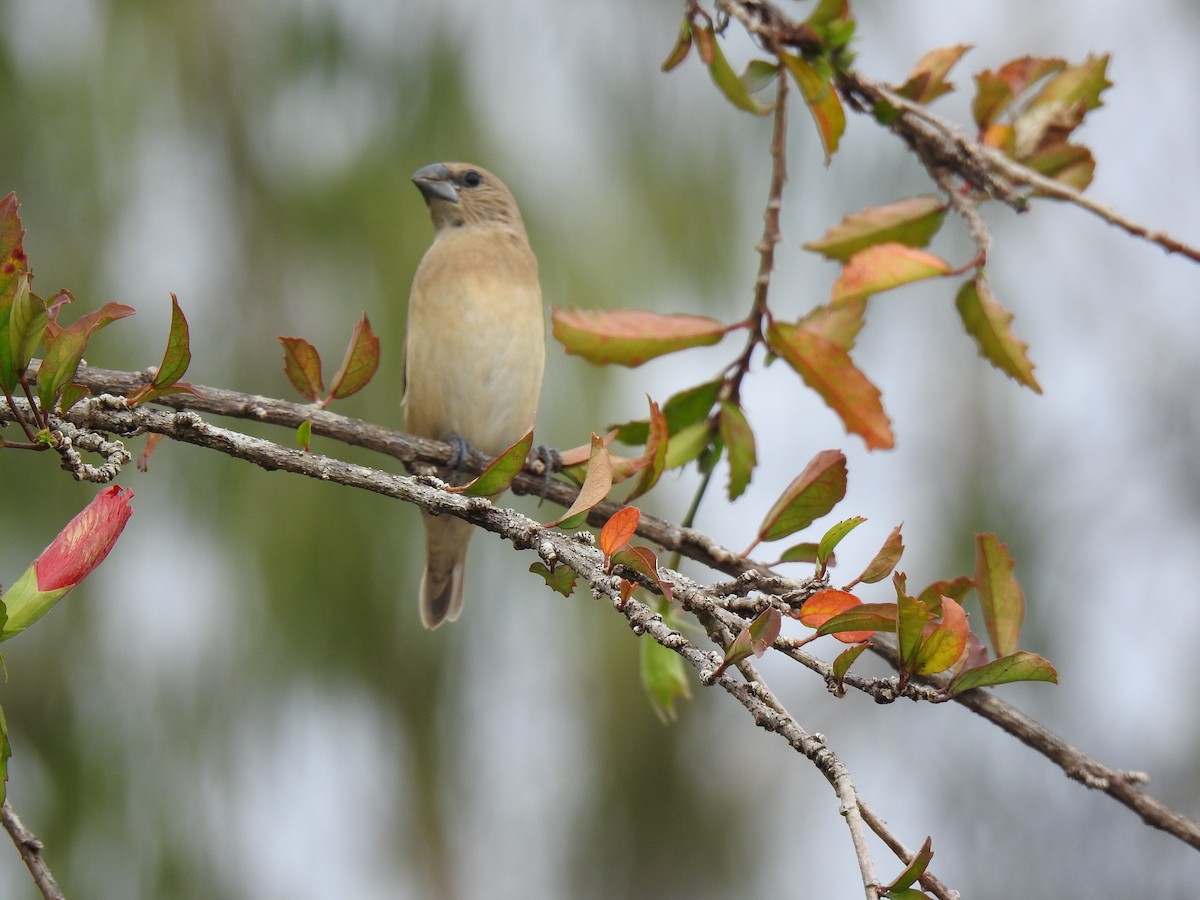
[(461, 195)]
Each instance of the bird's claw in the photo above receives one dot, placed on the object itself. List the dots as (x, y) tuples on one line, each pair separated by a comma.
[(550, 461)]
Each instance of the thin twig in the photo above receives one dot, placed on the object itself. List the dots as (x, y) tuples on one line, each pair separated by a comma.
[(30, 849)]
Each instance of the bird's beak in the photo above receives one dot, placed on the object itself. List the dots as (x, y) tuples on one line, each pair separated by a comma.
[(435, 184)]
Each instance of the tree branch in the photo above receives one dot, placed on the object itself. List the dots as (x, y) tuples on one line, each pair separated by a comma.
[(30, 849)]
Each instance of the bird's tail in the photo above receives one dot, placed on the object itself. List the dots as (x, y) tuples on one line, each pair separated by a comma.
[(446, 540)]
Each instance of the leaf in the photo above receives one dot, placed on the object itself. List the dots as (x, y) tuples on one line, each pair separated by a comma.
[(733, 87), (685, 408), (664, 676), (362, 359), (500, 472), (682, 45), (1060, 106), (928, 79), (654, 461), (302, 365), (14, 279), (839, 324), (630, 337), (687, 445), (999, 593), (911, 617), (996, 91), (643, 561), (822, 101), (752, 640), (1018, 666), (943, 647), (812, 494), (882, 267), (912, 222), (596, 485), (618, 531), (828, 370), (859, 623), (562, 579), (739, 441), (176, 358), (759, 74), (956, 588), (27, 323), (65, 348), (831, 604), (804, 552), (913, 871), (1071, 164), (844, 660), (885, 560), (833, 537), (991, 326), (304, 435)]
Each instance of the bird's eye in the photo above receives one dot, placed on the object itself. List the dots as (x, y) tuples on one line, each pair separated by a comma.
[(472, 179)]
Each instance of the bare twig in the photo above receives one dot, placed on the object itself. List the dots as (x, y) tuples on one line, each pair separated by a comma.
[(30, 849)]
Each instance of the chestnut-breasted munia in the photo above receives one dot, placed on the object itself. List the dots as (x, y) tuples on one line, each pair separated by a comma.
[(475, 347)]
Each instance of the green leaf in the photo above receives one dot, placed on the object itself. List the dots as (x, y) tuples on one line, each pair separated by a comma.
[(911, 222), (304, 435), (805, 552), (663, 673), (885, 560), (27, 323), (562, 579), (812, 494), (739, 441), (733, 87), (302, 365), (65, 348), (362, 359), (996, 91), (630, 337), (999, 593), (882, 267), (688, 444), (913, 871), (176, 359), (911, 617), (833, 537), (685, 408), (991, 326), (14, 278), (822, 101), (1019, 666), (501, 471), (844, 660), (860, 622), (956, 588), (828, 370)]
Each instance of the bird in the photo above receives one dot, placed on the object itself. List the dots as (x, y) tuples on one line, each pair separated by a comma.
[(475, 347)]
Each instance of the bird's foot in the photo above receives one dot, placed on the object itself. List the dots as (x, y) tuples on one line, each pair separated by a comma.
[(550, 461)]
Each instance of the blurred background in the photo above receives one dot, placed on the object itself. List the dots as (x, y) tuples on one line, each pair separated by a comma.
[(241, 702)]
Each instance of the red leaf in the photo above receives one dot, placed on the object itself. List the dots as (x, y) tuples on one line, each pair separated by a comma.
[(362, 359), (618, 530), (302, 365)]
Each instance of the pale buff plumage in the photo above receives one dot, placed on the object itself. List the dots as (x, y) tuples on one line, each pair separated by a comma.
[(475, 347)]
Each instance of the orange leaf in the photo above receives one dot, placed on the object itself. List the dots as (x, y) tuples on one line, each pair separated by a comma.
[(629, 337), (596, 485), (617, 531), (828, 370), (882, 267)]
